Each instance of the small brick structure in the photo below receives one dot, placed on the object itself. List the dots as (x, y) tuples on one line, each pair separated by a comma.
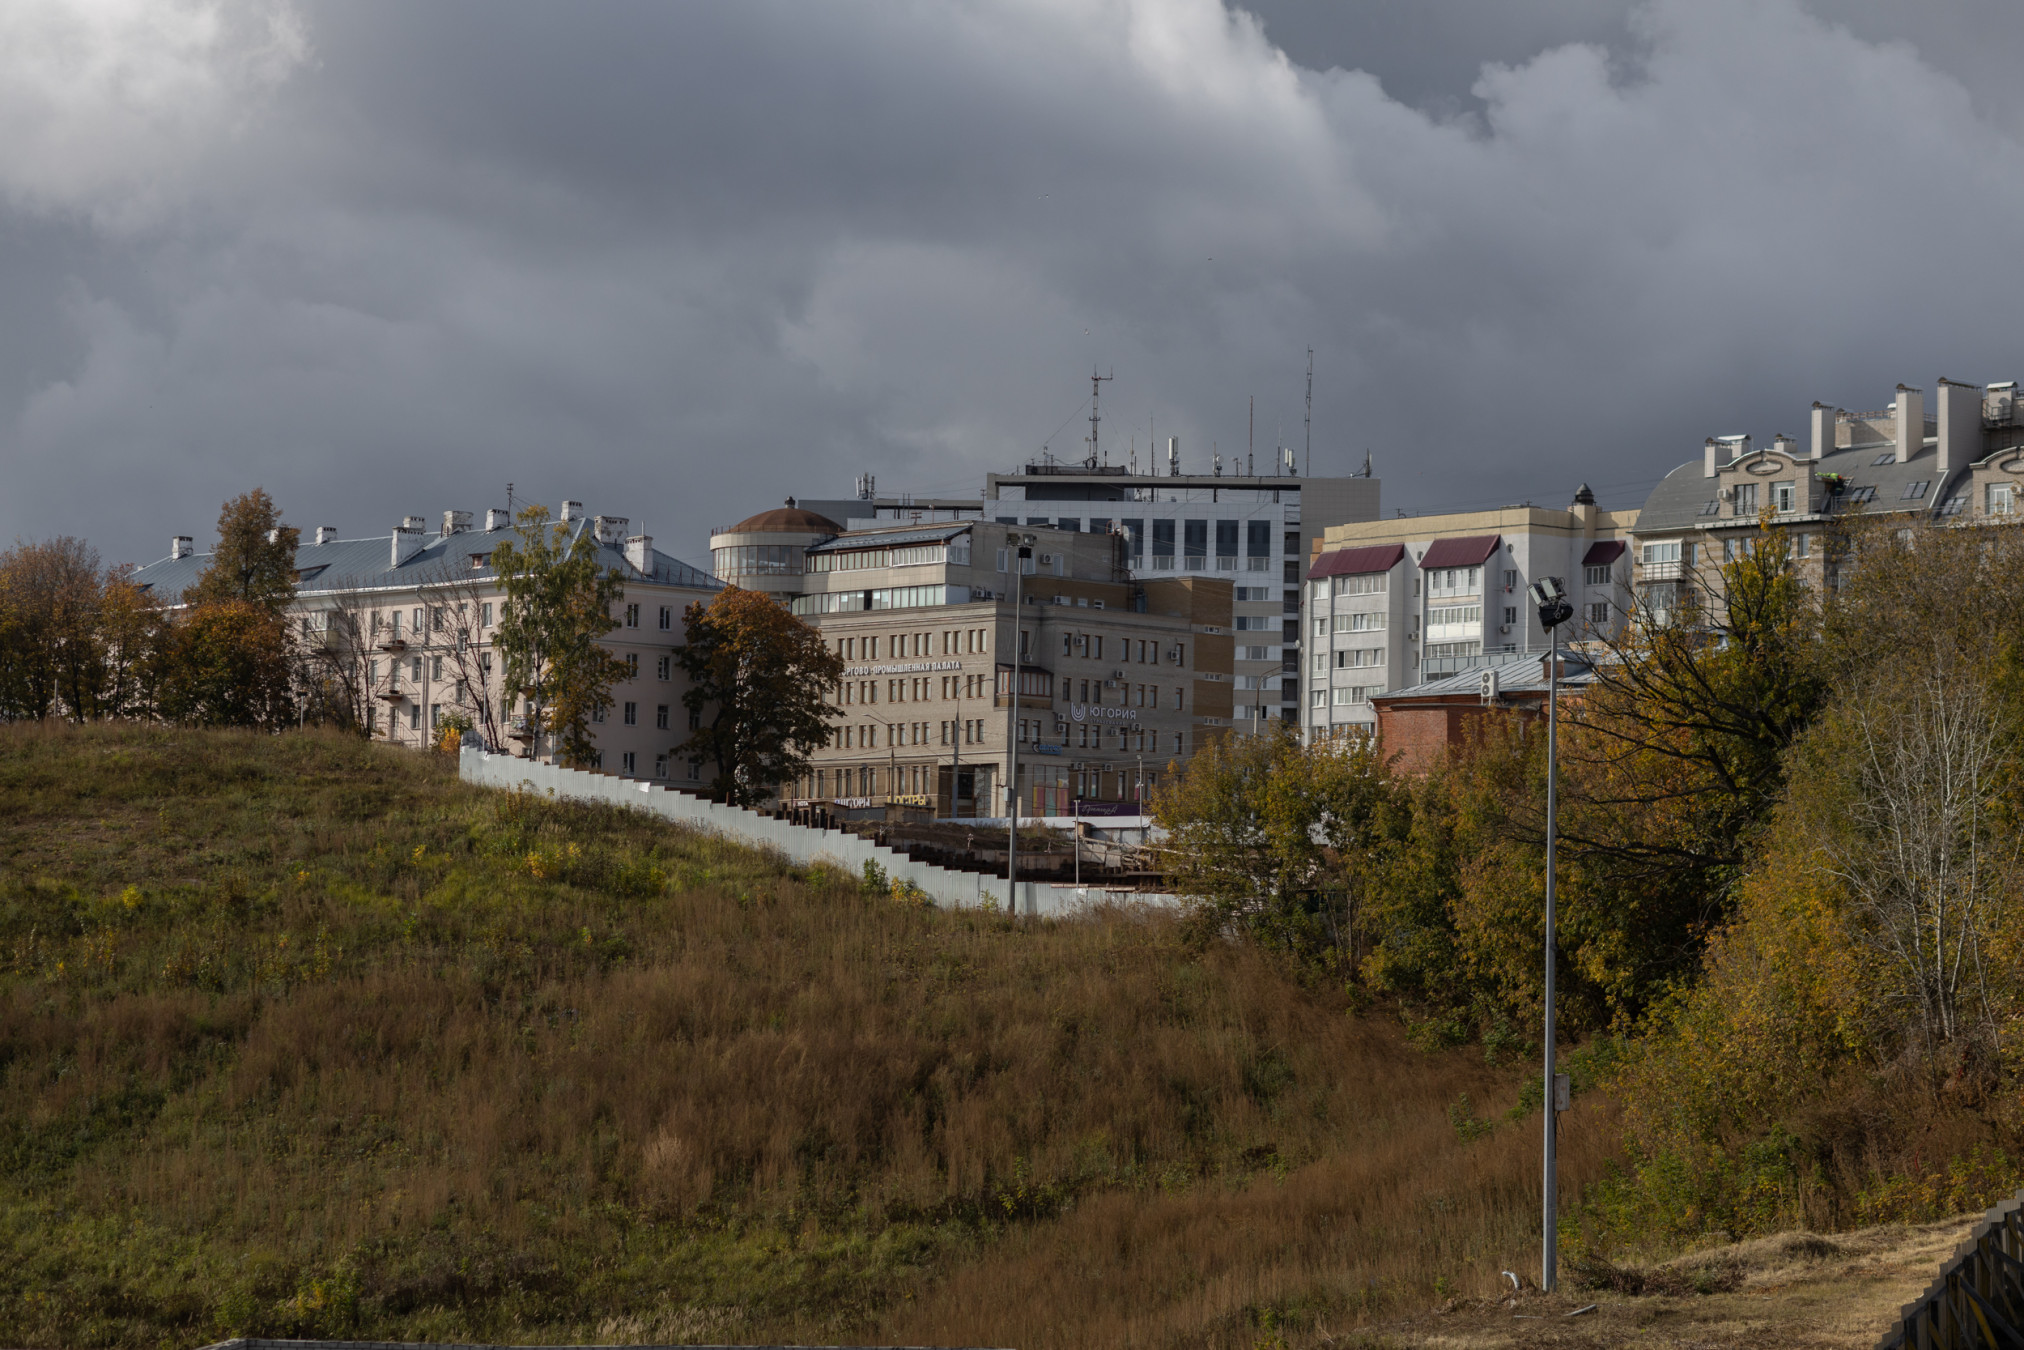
[(1416, 726)]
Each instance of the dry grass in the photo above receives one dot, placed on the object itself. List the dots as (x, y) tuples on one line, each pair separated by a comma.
[(302, 1036)]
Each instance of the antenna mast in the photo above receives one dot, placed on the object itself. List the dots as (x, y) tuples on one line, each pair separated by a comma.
[(1310, 412), (1096, 382)]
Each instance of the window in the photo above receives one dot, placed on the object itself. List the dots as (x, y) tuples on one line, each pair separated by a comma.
[(1664, 552), (1350, 659), (1455, 581), (1363, 623), (597, 714), (1596, 575), (667, 622), (1916, 491), (414, 717), (1746, 499), (1510, 614), (435, 716), (1712, 508), (626, 763), (435, 667), (1321, 628), (661, 716), (1885, 458), (1510, 579), (1363, 583), (416, 672), (1802, 545), (1439, 616), (632, 665), (2000, 499), (1319, 698), (1784, 498), (485, 615), (664, 666), (660, 766), (1598, 612), (695, 720), (1953, 505), (1861, 494)]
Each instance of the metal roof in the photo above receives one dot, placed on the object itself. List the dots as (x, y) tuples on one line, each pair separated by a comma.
[(1344, 562), (1524, 673), (1681, 499), (1603, 551), (367, 565), (916, 534)]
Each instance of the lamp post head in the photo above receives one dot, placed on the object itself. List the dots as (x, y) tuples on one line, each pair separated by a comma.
[(1551, 597)]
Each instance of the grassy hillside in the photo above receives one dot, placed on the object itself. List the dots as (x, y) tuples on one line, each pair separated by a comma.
[(302, 1037)]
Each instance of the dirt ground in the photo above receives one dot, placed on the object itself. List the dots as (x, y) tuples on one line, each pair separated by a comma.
[(1791, 1290)]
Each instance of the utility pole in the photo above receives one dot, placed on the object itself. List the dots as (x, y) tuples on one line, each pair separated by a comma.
[(1554, 610), (1020, 547), (1309, 472)]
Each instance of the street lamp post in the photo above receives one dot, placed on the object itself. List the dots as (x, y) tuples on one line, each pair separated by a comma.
[(1551, 598), (1020, 547)]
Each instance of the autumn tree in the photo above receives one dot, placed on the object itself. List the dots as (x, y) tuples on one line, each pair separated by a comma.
[(73, 634), (255, 557), (557, 608), (759, 681), (227, 663), (1290, 842)]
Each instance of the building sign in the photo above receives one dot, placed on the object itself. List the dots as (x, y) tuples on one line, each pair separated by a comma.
[(904, 668), (1042, 748), (854, 803), (1082, 711), (1090, 810)]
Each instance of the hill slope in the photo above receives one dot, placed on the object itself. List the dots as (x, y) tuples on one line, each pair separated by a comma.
[(302, 1037)]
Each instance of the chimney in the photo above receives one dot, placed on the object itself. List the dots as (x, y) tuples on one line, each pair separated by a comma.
[(1785, 446), (610, 530), (639, 551), (572, 512), (455, 522), (1710, 460), (1173, 456), (407, 540), (181, 546), (1911, 422), (498, 518), (1960, 429), (1823, 430), (1584, 510), (326, 534)]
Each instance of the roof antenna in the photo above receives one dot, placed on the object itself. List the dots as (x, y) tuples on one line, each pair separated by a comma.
[(1310, 412), (509, 503), (1096, 383)]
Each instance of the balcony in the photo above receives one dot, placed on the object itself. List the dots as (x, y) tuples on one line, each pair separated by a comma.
[(392, 694), (1661, 571), (393, 643)]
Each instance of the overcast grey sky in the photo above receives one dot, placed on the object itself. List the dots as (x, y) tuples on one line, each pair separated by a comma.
[(679, 261)]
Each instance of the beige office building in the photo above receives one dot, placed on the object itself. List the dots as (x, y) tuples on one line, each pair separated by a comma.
[(1118, 681)]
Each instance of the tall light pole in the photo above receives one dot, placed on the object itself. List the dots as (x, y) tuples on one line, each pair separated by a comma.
[(1551, 598), (1020, 547)]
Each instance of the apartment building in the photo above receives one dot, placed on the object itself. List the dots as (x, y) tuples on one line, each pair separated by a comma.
[(1397, 603), (409, 618), (1960, 464), (1118, 679)]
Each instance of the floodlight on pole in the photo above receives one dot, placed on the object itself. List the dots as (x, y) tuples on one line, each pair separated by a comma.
[(1551, 597), (1018, 548)]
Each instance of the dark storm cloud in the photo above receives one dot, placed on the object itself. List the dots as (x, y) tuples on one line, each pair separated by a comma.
[(681, 261)]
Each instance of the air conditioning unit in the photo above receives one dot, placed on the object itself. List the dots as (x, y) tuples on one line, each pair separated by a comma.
[(1487, 684), (1110, 684), (1047, 560), (1117, 674), (1503, 627), (1096, 604), (1174, 656)]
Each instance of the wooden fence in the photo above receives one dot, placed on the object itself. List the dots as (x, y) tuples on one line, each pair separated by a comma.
[(1978, 1299)]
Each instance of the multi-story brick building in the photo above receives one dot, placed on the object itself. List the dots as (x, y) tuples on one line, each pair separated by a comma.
[(1396, 603), (1118, 678), (406, 622)]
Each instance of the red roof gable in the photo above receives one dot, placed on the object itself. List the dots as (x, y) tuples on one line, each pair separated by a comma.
[(1603, 551), (1345, 562), (1471, 551)]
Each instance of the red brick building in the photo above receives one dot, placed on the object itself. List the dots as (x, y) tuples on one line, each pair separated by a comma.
[(1416, 726)]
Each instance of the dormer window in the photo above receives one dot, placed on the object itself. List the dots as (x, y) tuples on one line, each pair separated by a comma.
[(1916, 491), (1887, 457), (478, 561), (1712, 508)]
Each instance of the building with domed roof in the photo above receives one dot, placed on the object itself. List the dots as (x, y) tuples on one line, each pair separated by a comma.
[(766, 552)]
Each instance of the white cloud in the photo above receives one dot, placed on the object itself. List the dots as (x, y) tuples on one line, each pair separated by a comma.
[(108, 102)]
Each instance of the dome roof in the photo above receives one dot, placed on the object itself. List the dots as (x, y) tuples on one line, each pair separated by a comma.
[(788, 519)]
